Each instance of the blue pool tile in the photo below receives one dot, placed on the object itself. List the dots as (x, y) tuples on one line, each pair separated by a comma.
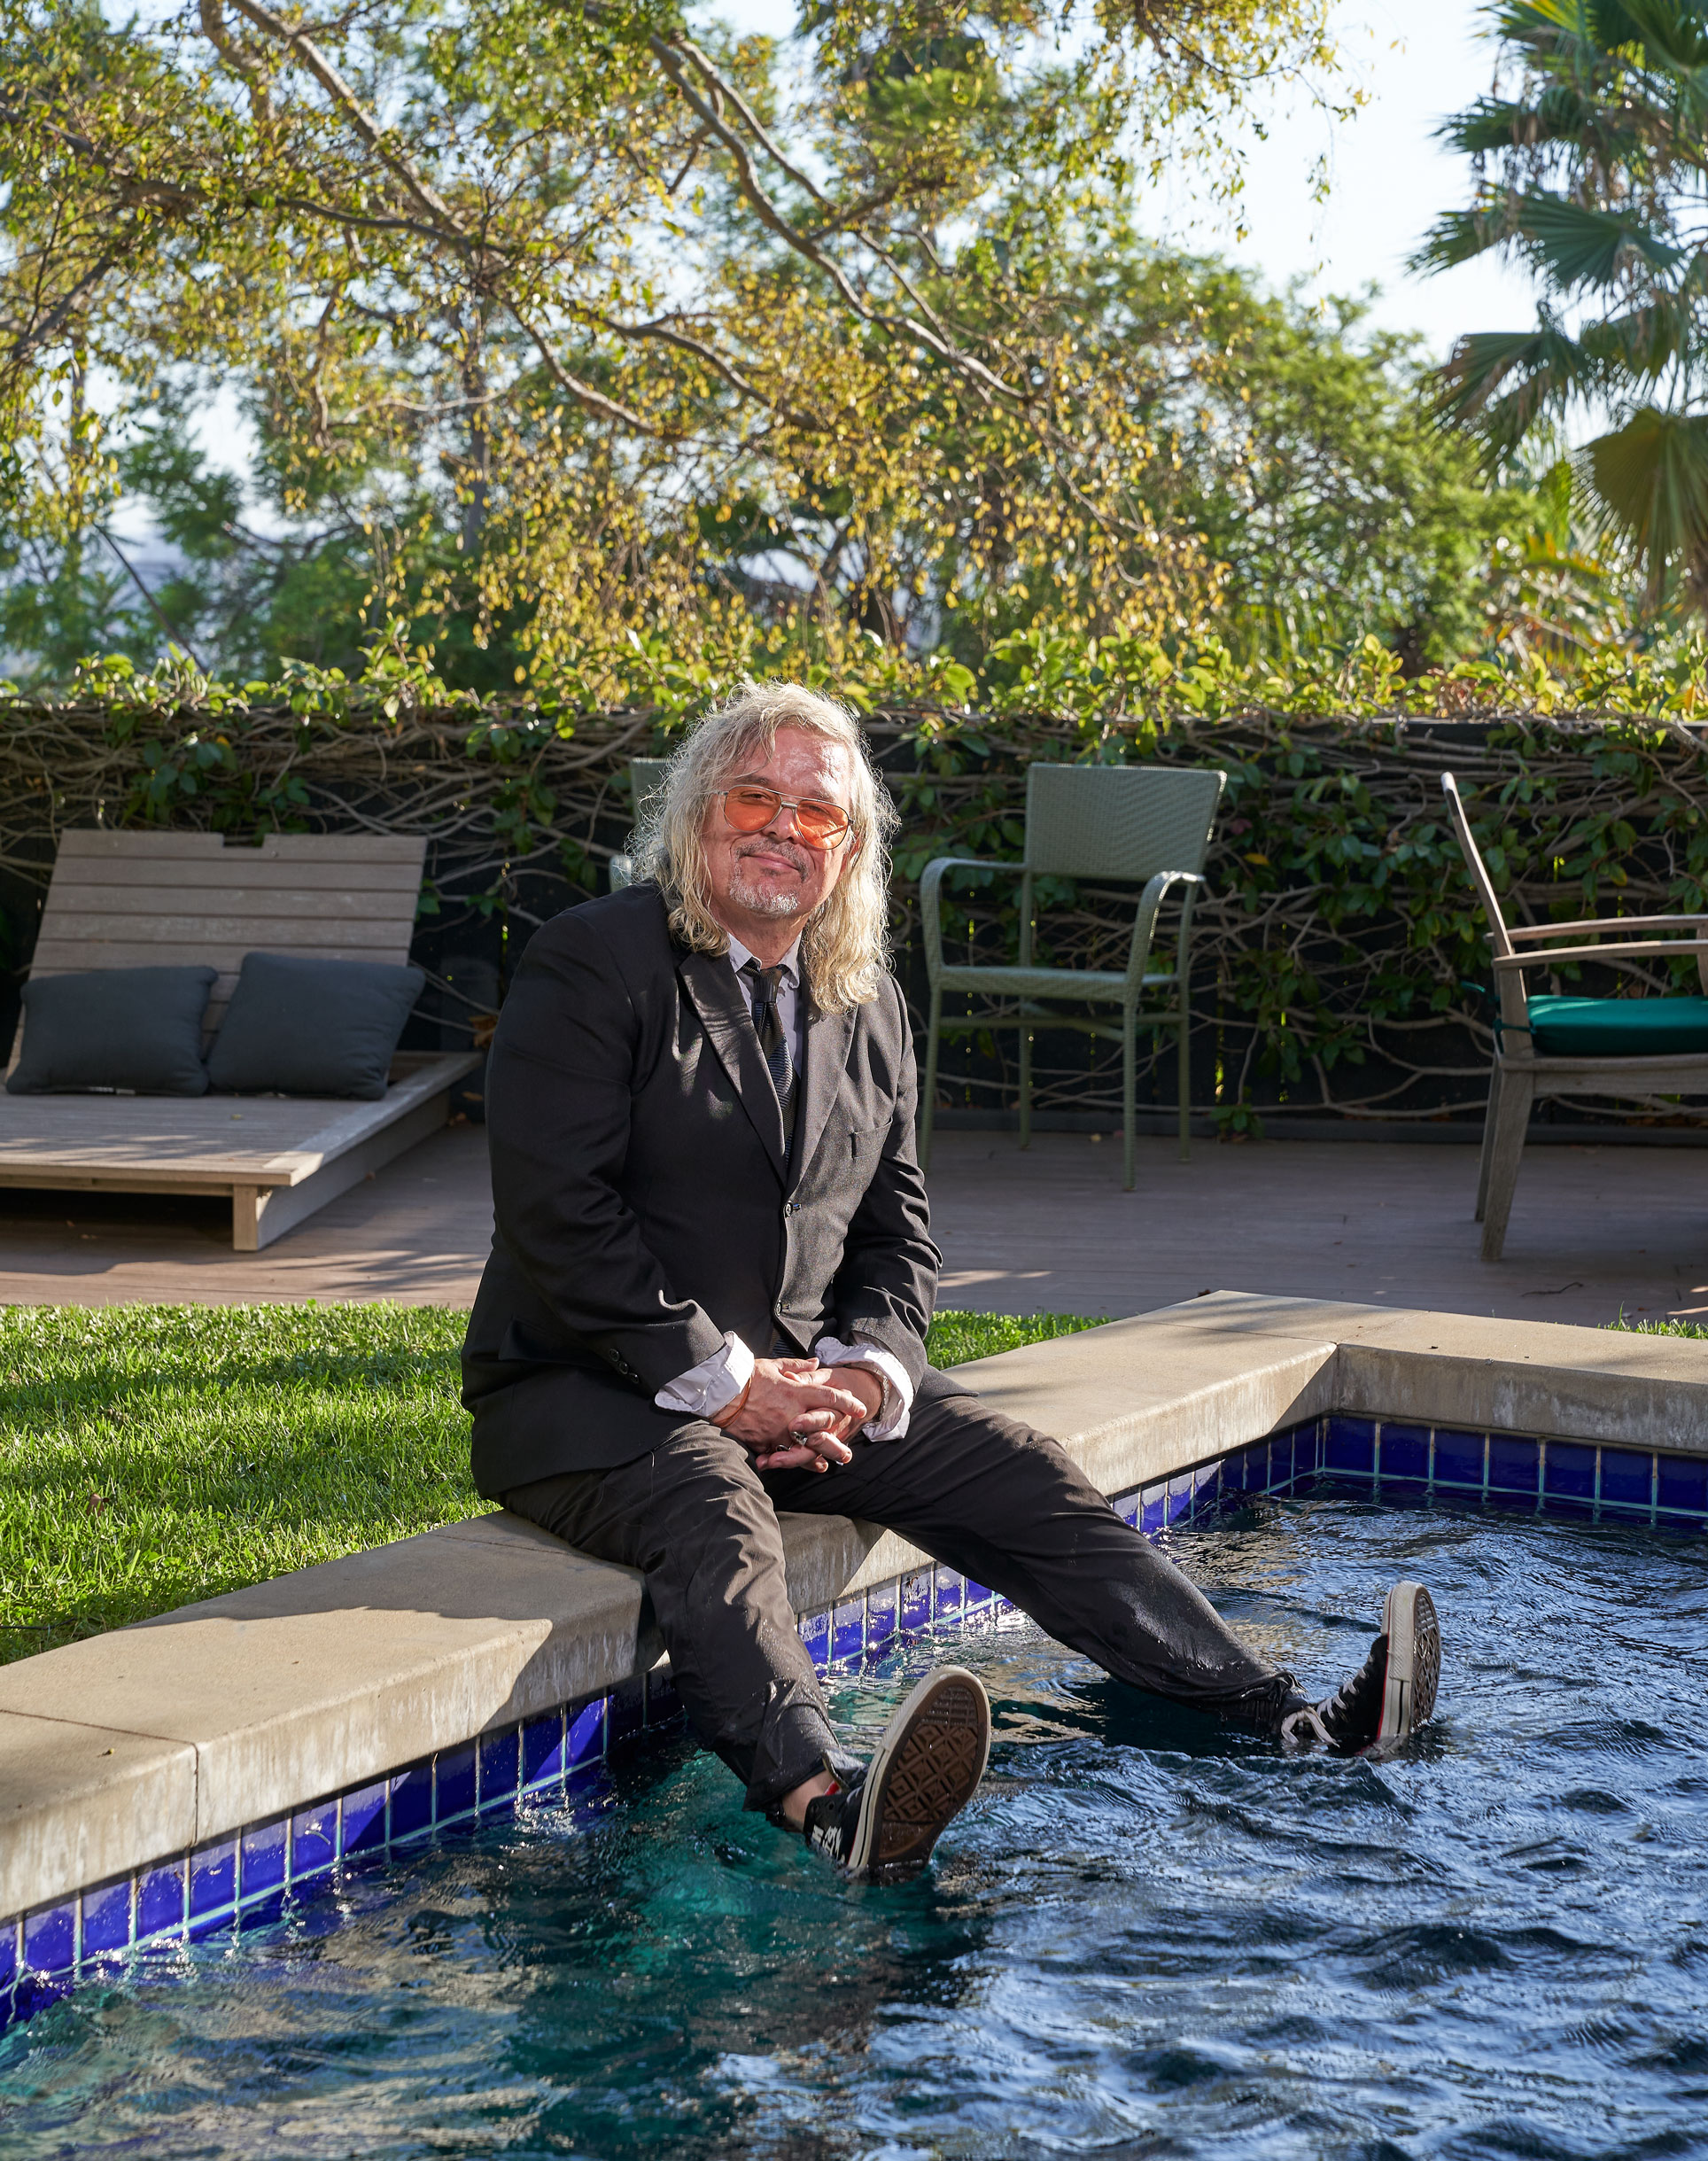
[(212, 1877), (880, 1609), (976, 1597), (663, 1699), (160, 1900), (946, 1604), (313, 1841), (262, 1866), (916, 1601), (1180, 1498), (1569, 1471), (500, 1767), (1514, 1467), (1350, 1446), (1280, 1461), (848, 1630), (412, 1802), (362, 1825), (34, 1991), (265, 1911), (543, 1757), (1683, 1481), (815, 1634), (586, 1735), (1254, 1469), (1459, 1457), (455, 1772), (1207, 1489), (8, 1955), (51, 1938), (1404, 1453), (1626, 1479), (1153, 1510), (1128, 1508), (106, 1919)]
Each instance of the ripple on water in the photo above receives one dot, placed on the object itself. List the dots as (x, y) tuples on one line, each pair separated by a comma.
[(1147, 1937)]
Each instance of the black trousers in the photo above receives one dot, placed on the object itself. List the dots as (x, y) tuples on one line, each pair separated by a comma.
[(979, 1492)]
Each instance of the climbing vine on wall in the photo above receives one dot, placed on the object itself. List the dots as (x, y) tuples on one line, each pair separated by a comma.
[(1339, 959)]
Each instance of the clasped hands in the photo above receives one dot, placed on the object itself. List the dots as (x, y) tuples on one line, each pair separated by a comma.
[(794, 1416)]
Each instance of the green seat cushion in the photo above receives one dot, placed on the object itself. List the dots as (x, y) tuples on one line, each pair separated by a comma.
[(1618, 1027)]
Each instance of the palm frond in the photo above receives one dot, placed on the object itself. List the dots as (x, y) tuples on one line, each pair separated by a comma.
[(1539, 369), (1652, 479), (1579, 246), (1561, 114), (1673, 32), (1459, 236)]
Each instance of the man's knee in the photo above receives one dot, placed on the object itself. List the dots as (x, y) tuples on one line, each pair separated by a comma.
[(684, 1505)]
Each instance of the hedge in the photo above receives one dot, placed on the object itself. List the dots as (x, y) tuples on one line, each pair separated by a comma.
[(1340, 964)]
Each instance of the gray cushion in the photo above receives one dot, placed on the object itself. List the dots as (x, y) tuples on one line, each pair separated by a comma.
[(312, 1027), (134, 1028)]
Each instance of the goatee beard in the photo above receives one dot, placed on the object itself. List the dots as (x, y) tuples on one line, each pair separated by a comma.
[(761, 901)]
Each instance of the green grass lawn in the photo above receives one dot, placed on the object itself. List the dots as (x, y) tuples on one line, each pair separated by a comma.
[(157, 1454)]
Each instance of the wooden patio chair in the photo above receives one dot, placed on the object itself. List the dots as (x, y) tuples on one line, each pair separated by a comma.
[(120, 899), (1143, 825), (1631, 1049)]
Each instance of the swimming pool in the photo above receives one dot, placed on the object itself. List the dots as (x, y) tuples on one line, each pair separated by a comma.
[(1147, 1936)]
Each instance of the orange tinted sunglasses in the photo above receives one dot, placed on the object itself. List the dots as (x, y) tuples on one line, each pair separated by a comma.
[(750, 810)]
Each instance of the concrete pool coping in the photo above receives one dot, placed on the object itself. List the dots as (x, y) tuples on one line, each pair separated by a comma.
[(127, 1747)]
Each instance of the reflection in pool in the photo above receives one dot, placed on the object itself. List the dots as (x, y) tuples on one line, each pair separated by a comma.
[(1147, 1936)]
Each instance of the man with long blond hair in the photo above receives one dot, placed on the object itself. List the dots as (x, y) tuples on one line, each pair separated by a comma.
[(710, 1283)]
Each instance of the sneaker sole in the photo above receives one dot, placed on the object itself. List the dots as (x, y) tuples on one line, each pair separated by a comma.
[(1414, 1662), (926, 1768)]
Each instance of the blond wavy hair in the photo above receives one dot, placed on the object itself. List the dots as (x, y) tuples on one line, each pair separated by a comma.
[(845, 941)]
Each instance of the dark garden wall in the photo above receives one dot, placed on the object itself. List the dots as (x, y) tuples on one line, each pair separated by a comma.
[(1339, 964)]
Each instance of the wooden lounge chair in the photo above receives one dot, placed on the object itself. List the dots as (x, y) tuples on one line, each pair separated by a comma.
[(172, 900), (1631, 1049)]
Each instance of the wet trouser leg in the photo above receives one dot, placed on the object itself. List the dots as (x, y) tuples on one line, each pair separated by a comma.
[(693, 1517), (1008, 1506), (978, 1491)]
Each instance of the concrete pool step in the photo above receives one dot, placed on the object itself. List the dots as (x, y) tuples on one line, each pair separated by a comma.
[(131, 1746)]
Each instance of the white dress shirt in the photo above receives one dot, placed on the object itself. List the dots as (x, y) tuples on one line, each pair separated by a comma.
[(705, 1390)]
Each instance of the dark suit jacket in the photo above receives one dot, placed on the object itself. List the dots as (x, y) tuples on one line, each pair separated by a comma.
[(643, 1201)]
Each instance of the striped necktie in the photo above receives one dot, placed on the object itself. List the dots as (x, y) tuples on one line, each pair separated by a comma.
[(768, 1026)]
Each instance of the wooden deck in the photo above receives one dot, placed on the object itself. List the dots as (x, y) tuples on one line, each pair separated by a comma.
[(1593, 1229)]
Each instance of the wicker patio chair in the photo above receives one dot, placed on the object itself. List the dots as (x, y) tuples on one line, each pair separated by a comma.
[(1633, 1049), (1145, 825), (645, 774)]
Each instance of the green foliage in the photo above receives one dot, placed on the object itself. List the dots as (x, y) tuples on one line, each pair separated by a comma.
[(1591, 161), (523, 303), (1337, 947), (154, 1455)]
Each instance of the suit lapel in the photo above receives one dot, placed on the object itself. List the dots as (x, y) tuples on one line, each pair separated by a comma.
[(711, 982), (827, 1038)]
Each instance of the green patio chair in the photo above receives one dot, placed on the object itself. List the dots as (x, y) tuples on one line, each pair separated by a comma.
[(1145, 825), (1632, 1049), (645, 774)]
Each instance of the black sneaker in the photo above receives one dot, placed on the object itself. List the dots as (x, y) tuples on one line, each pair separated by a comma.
[(886, 1819), (1392, 1693)]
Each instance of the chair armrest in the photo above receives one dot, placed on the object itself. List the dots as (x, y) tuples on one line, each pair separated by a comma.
[(1521, 933), (1640, 950), (930, 902), (1145, 921)]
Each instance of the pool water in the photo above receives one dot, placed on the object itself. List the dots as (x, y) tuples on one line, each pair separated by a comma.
[(1145, 1937)]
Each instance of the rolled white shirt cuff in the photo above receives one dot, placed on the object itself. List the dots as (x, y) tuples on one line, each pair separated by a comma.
[(705, 1390), (893, 1413)]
